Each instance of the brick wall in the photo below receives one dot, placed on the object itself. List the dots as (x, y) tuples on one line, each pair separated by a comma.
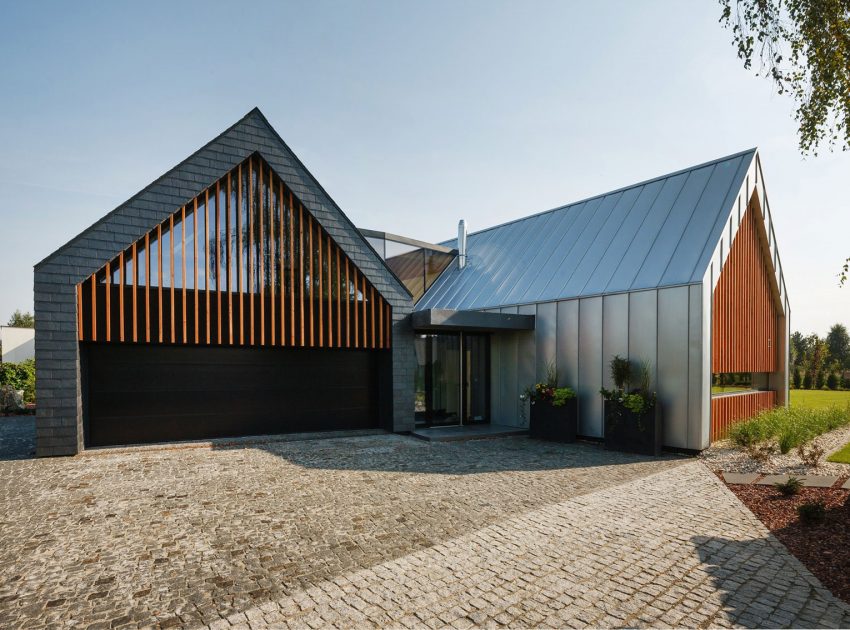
[(59, 415)]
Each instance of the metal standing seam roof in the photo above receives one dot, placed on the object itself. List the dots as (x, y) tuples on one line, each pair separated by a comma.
[(657, 233)]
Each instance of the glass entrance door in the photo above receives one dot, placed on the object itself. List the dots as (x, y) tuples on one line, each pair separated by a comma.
[(452, 379)]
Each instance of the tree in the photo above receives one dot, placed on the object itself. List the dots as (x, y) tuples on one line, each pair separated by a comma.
[(798, 348), (832, 380), (818, 360), (798, 378), (807, 380), (838, 341), (22, 320), (803, 47)]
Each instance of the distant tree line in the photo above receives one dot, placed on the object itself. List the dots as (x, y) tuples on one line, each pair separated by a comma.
[(821, 363)]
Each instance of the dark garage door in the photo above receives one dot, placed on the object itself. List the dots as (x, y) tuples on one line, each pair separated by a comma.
[(144, 393)]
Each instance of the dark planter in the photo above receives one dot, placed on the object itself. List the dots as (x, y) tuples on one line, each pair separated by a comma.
[(629, 432), (556, 424)]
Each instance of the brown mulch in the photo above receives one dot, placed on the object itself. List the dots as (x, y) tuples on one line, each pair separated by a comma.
[(824, 547)]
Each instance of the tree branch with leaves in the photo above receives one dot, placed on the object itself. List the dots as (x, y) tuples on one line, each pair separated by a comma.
[(803, 47)]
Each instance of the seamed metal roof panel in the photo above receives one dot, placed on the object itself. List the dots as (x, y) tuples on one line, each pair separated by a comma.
[(652, 234)]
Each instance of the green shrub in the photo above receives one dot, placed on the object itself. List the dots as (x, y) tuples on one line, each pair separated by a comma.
[(807, 380), (20, 376), (798, 378), (819, 379), (789, 426), (790, 487), (832, 380), (621, 372), (812, 512)]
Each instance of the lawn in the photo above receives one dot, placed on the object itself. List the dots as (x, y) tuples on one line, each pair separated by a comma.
[(841, 456), (819, 399)]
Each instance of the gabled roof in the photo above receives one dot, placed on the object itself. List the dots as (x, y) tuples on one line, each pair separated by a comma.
[(93, 247), (657, 233)]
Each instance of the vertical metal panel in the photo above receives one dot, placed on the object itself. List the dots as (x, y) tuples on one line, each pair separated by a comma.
[(567, 350), (590, 366), (696, 438), (672, 387), (615, 332), (526, 352), (643, 329), (546, 332), (496, 411), (705, 356), (509, 383)]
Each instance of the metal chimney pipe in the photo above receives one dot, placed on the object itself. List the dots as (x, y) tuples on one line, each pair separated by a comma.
[(461, 244)]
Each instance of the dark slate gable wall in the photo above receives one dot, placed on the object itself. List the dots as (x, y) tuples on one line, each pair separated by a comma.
[(59, 414)]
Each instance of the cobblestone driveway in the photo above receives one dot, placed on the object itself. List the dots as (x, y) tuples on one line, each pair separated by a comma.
[(388, 530)]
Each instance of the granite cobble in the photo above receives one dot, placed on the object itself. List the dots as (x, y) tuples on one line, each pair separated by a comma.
[(391, 531)]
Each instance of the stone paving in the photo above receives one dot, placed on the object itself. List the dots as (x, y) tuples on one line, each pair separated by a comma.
[(387, 530)]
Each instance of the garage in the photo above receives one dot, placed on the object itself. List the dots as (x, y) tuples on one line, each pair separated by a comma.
[(135, 394)]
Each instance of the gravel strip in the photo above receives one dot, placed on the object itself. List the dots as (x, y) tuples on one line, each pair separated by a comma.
[(726, 456)]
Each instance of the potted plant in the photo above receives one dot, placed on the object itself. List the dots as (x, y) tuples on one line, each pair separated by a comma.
[(632, 414), (554, 410)]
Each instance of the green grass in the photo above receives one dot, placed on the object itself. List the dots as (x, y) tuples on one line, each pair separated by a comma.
[(842, 456), (790, 426), (819, 399)]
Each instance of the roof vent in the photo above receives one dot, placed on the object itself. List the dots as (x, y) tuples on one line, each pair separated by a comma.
[(461, 244)]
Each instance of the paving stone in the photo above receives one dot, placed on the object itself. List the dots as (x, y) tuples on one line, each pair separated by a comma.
[(769, 480), (390, 531), (819, 481), (846, 484), (739, 478)]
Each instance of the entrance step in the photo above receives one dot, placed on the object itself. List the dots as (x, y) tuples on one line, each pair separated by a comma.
[(471, 432)]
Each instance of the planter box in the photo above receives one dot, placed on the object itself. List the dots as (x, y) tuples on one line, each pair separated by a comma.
[(556, 424), (629, 432)]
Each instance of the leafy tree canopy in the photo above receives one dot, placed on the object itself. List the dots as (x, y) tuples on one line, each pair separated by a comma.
[(803, 46), (22, 320), (838, 341)]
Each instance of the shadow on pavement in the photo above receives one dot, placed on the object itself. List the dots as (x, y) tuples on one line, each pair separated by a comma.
[(17, 437), (398, 453)]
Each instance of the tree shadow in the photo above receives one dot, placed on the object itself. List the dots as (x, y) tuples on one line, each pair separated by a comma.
[(17, 437), (405, 454), (761, 585)]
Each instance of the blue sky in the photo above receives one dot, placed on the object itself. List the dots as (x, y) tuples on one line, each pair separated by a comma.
[(411, 115)]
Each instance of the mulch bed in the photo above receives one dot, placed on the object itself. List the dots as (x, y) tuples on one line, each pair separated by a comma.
[(823, 547)]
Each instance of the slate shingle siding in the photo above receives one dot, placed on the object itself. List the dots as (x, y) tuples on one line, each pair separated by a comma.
[(59, 428)]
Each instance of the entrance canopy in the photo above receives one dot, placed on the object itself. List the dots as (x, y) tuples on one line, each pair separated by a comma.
[(447, 319)]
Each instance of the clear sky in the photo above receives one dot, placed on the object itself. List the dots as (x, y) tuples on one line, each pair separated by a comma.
[(411, 115)]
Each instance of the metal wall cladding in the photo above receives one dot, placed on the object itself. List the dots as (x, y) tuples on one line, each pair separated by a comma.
[(662, 328), (654, 234), (590, 366), (546, 337)]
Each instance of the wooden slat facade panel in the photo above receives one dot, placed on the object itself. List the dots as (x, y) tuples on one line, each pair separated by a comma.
[(732, 408), (745, 322), (745, 327), (159, 290)]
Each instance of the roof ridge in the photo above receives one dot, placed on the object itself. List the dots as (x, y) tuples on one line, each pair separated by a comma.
[(611, 192)]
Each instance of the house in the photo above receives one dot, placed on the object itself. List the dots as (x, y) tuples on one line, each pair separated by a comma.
[(16, 344), (232, 296)]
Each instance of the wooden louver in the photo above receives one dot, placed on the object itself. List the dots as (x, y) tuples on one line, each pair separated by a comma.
[(265, 273), (746, 313)]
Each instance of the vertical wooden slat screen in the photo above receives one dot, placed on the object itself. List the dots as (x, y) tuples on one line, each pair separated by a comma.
[(276, 234), (745, 326), (135, 262), (730, 409), (251, 250), (107, 299), (745, 322)]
